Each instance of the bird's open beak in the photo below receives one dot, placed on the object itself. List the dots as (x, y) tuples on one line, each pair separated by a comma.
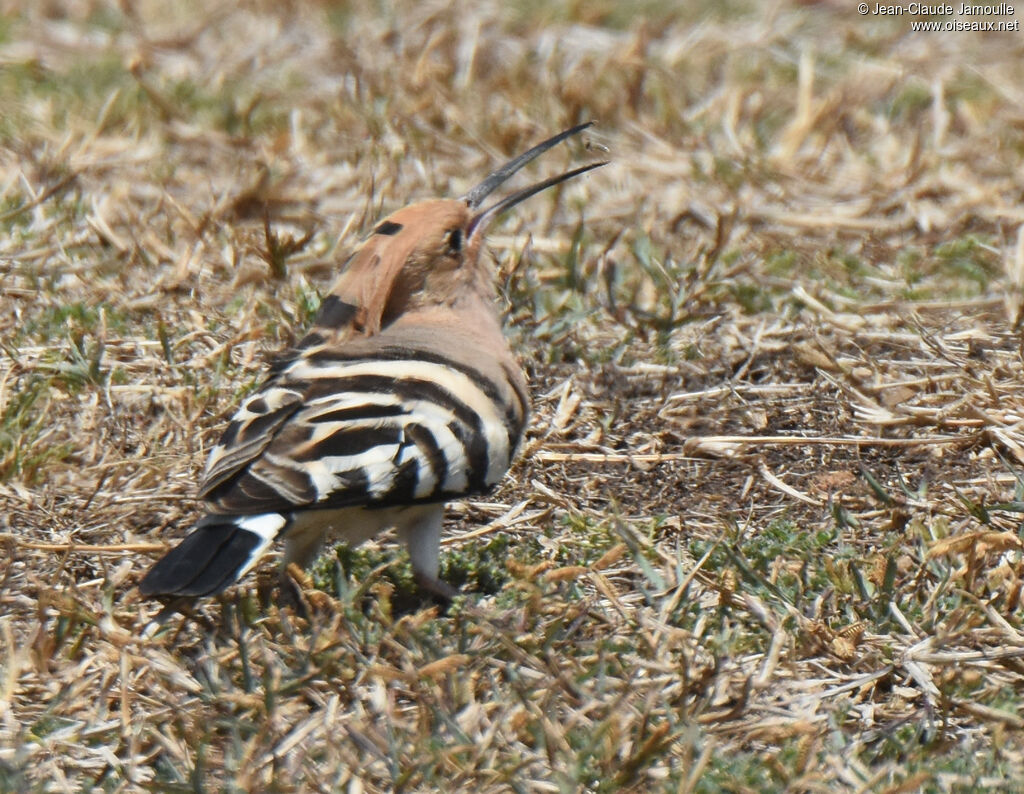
[(474, 198)]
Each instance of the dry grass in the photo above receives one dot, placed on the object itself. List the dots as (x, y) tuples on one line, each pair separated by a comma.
[(765, 536)]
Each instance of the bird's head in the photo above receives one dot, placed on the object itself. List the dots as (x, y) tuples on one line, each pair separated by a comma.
[(429, 252)]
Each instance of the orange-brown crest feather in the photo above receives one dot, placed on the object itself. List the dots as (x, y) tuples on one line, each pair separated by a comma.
[(373, 273)]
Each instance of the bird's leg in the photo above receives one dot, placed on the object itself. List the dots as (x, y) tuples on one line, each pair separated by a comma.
[(421, 533)]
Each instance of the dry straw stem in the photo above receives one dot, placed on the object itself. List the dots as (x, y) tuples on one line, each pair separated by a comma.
[(764, 533)]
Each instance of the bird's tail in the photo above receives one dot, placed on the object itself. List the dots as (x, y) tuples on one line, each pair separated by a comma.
[(214, 555)]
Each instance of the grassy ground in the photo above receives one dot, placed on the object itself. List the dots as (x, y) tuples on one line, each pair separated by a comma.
[(765, 533)]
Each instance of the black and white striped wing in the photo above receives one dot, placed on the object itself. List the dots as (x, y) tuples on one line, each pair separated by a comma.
[(251, 430), (374, 431)]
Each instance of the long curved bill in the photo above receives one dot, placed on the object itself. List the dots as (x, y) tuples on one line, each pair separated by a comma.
[(474, 198)]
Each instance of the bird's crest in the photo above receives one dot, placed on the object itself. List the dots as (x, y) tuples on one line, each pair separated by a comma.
[(407, 246)]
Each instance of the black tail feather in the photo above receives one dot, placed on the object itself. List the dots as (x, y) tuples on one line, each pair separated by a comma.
[(210, 558)]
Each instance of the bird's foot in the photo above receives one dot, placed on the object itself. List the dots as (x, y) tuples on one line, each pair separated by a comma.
[(436, 589)]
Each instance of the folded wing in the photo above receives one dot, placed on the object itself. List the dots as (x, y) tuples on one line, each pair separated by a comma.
[(395, 428)]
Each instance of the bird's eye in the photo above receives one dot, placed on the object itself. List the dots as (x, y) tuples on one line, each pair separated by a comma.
[(454, 240)]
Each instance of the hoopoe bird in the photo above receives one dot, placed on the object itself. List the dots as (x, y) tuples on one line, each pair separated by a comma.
[(402, 396)]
